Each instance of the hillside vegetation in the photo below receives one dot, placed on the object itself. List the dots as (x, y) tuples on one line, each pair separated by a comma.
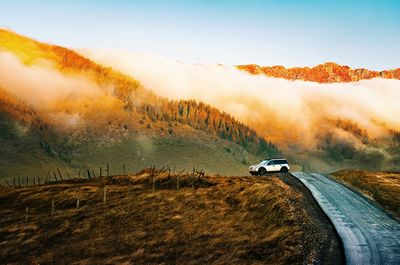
[(31, 147), (161, 217), (127, 115)]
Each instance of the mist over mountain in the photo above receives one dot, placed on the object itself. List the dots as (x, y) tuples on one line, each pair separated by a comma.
[(76, 114), (319, 125), (141, 109)]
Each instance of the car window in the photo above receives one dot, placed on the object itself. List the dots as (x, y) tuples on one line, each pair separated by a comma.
[(271, 163)]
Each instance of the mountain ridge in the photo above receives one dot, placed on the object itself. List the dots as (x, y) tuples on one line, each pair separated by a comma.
[(328, 72)]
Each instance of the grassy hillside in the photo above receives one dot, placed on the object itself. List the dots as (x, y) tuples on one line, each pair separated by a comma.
[(32, 146), (218, 220), (382, 187), (132, 96), (130, 126)]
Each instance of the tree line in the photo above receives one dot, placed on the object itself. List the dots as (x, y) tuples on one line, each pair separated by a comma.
[(198, 115)]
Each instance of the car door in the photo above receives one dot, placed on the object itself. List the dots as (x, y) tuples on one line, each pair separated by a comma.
[(278, 165), (270, 166)]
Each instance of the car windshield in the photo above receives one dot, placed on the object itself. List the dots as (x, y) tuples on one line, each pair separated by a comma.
[(264, 161)]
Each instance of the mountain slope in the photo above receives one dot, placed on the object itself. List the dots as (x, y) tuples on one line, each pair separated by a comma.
[(121, 123), (324, 127), (323, 73)]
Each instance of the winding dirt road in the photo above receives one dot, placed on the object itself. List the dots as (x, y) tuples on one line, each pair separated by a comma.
[(369, 235)]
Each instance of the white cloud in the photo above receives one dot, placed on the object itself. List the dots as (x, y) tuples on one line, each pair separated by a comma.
[(276, 108)]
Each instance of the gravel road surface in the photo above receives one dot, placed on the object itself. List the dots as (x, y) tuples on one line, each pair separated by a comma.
[(369, 235)]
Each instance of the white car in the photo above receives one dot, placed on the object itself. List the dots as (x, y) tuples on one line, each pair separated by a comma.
[(269, 165)]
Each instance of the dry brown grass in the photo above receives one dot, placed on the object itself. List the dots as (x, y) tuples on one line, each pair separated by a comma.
[(224, 220), (383, 187)]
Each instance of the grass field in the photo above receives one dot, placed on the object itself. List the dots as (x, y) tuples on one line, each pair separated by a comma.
[(382, 187), (206, 219)]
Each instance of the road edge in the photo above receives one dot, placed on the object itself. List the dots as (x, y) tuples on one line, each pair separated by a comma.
[(309, 194), (340, 240)]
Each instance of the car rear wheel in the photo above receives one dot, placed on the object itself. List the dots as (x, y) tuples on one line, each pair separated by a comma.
[(262, 171), (284, 169)]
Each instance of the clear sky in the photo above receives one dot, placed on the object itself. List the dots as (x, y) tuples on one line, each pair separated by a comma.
[(359, 33)]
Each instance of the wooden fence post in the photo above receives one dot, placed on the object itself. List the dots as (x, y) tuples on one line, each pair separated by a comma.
[(177, 182), (14, 182), (108, 170), (47, 176), (38, 179), (59, 173), (88, 173), (55, 176), (79, 173), (101, 171), (27, 181), (123, 169), (34, 181), (77, 202)]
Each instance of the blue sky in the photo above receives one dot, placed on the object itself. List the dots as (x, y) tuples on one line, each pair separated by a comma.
[(291, 33)]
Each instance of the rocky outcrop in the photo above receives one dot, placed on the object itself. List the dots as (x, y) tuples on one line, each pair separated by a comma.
[(323, 73)]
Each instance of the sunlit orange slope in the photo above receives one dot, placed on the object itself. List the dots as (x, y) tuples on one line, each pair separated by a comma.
[(67, 61)]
